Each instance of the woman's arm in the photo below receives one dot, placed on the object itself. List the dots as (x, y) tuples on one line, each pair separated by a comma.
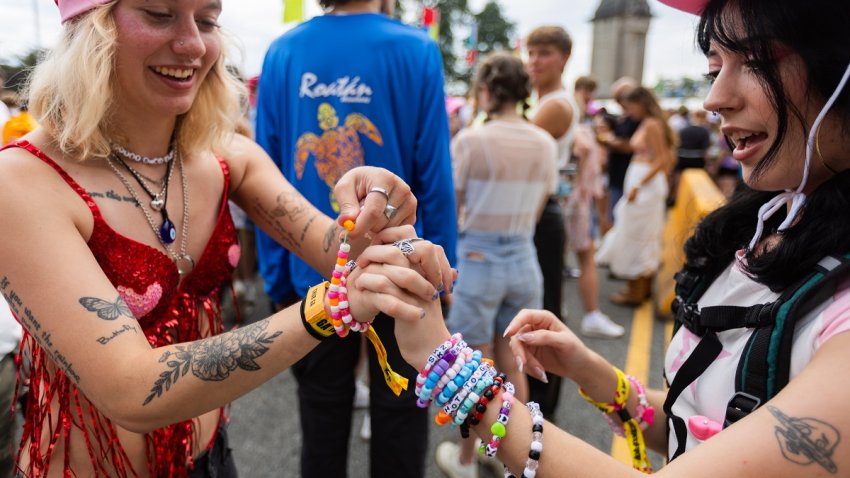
[(282, 212), (60, 294)]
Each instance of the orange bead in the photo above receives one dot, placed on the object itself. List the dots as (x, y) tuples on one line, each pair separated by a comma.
[(488, 361), (335, 281), (341, 261), (442, 418), (333, 301), (348, 225)]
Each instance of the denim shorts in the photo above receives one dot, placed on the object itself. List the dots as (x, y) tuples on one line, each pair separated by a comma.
[(498, 276)]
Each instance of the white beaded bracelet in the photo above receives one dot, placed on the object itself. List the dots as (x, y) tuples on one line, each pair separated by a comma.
[(536, 448)]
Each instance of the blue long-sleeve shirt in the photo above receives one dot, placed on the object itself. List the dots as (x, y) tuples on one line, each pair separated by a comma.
[(341, 91)]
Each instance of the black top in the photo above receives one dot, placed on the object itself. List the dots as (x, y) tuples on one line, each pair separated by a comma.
[(619, 162), (694, 141)]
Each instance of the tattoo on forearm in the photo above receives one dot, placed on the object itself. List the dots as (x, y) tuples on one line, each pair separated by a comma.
[(213, 359), (307, 226), (28, 319), (115, 333), (330, 236), (110, 194), (289, 205), (806, 440), (107, 310), (273, 219)]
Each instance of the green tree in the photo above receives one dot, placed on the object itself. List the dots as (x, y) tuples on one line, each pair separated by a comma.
[(17, 71), (453, 13), (494, 30)]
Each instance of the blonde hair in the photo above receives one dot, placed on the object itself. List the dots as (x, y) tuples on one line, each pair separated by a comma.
[(61, 92)]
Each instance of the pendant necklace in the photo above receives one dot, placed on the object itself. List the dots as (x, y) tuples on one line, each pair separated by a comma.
[(166, 233)]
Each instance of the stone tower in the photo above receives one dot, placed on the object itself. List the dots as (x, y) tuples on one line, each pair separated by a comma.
[(619, 41)]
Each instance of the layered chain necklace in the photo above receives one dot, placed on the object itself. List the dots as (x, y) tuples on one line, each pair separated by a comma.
[(166, 233)]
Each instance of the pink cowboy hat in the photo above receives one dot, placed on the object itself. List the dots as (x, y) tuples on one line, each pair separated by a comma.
[(69, 9), (691, 6)]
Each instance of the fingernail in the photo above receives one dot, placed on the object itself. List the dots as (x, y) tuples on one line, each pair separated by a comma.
[(522, 337), (519, 364), (436, 295), (541, 374), (505, 333), (441, 287), (421, 314)]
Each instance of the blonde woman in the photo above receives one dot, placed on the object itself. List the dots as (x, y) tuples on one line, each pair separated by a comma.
[(116, 238)]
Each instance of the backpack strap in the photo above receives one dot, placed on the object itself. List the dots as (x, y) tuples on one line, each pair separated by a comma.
[(765, 366)]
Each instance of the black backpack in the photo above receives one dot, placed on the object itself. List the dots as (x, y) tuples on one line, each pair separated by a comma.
[(764, 367)]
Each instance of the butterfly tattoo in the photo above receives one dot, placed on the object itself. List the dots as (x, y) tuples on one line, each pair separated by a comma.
[(106, 310)]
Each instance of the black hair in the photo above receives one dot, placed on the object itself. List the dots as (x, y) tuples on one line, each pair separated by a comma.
[(506, 79), (818, 31)]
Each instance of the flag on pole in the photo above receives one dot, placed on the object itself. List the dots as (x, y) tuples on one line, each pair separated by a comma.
[(293, 11), (431, 22)]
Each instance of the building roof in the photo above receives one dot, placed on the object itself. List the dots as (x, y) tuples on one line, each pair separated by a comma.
[(622, 8)]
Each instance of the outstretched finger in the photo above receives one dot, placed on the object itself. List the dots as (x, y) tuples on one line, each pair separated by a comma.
[(534, 318)]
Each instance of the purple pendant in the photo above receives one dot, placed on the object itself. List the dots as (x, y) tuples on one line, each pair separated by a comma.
[(167, 232)]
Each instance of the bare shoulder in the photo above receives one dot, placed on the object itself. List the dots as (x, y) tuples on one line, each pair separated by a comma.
[(33, 188), (241, 152)]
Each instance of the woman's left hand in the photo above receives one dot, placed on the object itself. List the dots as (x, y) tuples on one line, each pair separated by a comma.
[(376, 199), (633, 192)]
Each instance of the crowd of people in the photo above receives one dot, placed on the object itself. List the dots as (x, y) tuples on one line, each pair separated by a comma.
[(459, 220)]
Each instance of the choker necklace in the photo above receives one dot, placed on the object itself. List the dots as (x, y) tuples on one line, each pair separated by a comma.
[(182, 260), (144, 159)]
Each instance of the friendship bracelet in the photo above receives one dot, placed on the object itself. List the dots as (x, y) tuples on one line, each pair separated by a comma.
[(342, 319), (481, 407), (435, 357), (464, 356), (474, 394), (452, 407), (434, 376), (453, 386), (500, 428), (631, 427), (536, 447)]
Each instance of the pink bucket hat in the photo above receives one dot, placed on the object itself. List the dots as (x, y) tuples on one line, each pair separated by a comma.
[(690, 6), (69, 9)]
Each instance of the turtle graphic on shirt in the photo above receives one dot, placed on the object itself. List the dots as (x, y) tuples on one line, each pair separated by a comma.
[(338, 149)]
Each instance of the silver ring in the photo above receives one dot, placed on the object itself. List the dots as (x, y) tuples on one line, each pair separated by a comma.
[(390, 211), (405, 246), (382, 191)]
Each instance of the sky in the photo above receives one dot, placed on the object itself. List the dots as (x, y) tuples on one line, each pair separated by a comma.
[(255, 23)]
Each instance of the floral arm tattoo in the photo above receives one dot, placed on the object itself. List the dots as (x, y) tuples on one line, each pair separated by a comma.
[(213, 359)]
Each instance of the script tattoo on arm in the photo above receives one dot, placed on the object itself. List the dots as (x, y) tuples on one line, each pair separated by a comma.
[(331, 235), (28, 319), (806, 440), (213, 359)]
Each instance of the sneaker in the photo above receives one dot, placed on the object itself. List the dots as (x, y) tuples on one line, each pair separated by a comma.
[(448, 460), (492, 463), (361, 394), (597, 324), (366, 428)]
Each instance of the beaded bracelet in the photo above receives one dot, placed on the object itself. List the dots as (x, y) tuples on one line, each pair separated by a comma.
[(453, 406), (480, 408), (536, 447), (435, 357), (342, 319), (464, 355), (454, 385), (645, 413), (434, 377), (499, 428), (474, 395)]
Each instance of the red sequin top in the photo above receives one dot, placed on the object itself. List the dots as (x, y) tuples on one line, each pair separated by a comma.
[(168, 311)]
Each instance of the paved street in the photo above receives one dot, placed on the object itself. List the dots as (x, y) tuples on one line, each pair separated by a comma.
[(265, 431)]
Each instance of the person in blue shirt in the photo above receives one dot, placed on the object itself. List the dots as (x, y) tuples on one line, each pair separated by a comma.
[(344, 89)]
